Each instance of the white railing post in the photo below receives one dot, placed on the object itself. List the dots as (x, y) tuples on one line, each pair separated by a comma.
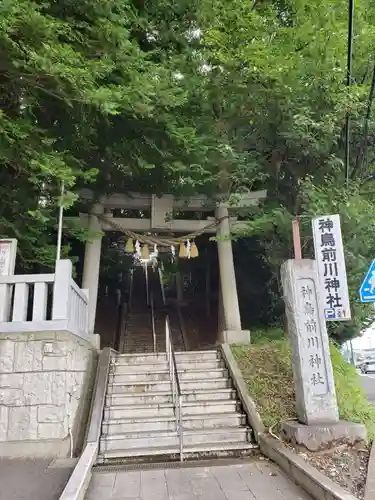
[(40, 301), (61, 290), (21, 296), (4, 302), (8, 253)]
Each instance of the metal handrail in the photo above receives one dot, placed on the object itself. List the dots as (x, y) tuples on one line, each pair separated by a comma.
[(181, 325), (153, 319), (131, 280), (124, 314), (173, 375), (147, 285)]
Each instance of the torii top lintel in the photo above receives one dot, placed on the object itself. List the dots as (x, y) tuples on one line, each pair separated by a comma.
[(162, 208), (193, 203)]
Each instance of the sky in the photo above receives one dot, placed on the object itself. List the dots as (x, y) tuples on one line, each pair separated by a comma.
[(367, 341)]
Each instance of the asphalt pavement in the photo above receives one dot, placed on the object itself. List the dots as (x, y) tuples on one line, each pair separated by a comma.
[(33, 479), (368, 383)]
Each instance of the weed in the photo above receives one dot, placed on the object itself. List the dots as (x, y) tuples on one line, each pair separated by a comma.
[(267, 369)]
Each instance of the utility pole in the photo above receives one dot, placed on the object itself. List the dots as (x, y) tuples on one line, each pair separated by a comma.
[(347, 135), (348, 84), (352, 353), (59, 230)]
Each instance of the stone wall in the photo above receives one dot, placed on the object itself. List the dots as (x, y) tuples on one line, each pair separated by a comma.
[(46, 382)]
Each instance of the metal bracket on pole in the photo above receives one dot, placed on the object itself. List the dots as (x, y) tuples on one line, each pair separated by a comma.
[(297, 239)]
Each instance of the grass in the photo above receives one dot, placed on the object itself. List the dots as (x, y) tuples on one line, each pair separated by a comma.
[(267, 369)]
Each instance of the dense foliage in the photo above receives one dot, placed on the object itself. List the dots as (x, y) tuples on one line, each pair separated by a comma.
[(285, 102), (89, 89), (190, 96), (266, 366)]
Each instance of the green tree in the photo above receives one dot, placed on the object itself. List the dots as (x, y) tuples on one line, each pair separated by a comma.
[(189, 97), (278, 72), (89, 89)]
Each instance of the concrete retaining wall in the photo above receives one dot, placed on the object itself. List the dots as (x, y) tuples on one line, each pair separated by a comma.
[(46, 382)]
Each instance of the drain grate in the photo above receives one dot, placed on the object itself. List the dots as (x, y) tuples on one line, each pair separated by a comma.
[(209, 462)]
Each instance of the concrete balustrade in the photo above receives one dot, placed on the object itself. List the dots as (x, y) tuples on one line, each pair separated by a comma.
[(43, 303), (47, 364), (16, 310)]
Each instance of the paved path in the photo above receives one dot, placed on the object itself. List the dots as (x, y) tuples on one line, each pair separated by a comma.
[(259, 480), (32, 480)]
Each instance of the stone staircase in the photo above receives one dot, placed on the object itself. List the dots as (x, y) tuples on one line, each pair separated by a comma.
[(138, 337), (138, 333), (139, 421)]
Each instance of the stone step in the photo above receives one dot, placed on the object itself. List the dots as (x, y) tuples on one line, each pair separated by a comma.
[(154, 397), (212, 449), (166, 409), (133, 398), (142, 348), (182, 366), (181, 356), (146, 439), (122, 426), (188, 376), (195, 355), (134, 336), (197, 364), (139, 368), (135, 376), (139, 418), (139, 359), (165, 386)]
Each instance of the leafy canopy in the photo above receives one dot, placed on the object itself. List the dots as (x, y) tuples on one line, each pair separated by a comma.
[(190, 96)]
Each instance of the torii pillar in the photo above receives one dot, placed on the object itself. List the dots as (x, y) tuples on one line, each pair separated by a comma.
[(230, 328), (91, 264)]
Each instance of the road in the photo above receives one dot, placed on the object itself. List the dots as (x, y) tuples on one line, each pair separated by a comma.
[(368, 383)]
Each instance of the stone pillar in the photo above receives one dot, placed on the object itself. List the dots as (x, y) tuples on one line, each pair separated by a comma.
[(232, 320), (91, 264), (318, 417)]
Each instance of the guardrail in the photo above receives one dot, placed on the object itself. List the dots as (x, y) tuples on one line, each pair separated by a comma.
[(43, 302)]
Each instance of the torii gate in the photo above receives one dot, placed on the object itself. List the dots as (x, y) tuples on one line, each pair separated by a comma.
[(161, 221)]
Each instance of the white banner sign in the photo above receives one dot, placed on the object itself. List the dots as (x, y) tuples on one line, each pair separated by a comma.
[(8, 250), (329, 255)]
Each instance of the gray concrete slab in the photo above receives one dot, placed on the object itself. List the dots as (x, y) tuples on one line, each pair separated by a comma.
[(32, 479), (255, 480)]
